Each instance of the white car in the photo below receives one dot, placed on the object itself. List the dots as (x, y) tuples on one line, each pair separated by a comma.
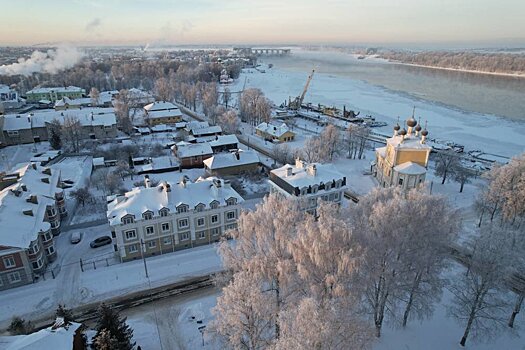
[(75, 237)]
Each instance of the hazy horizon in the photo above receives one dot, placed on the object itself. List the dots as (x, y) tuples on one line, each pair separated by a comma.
[(429, 23)]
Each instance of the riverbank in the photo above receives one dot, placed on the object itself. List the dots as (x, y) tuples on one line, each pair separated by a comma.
[(511, 75)]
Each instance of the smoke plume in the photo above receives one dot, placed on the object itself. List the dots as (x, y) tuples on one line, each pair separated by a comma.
[(51, 61)]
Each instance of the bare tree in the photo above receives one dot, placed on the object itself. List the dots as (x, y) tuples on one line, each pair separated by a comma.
[(72, 133), (226, 96), (163, 89), (330, 140), (122, 111), (210, 98), (113, 182), (446, 163), (230, 122), (462, 175), (94, 94), (81, 195), (479, 295), (254, 106), (356, 138)]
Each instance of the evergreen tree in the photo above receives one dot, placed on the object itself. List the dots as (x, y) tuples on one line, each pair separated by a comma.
[(105, 341), (20, 326), (65, 313), (110, 321), (55, 134)]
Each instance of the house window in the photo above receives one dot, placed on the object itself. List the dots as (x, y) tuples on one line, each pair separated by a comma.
[(313, 202), (54, 224), (200, 222), (184, 236), (215, 231), (165, 226), (182, 208), (51, 212), (132, 248), (338, 184), (331, 196), (400, 182), (201, 234), (167, 240), (14, 277), (47, 236), (9, 262), (337, 196), (231, 227), (182, 223), (35, 248), (214, 219), (231, 201), (150, 230), (50, 250), (127, 220), (37, 264), (152, 244), (314, 189), (131, 234), (214, 205), (199, 207), (164, 212), (147, 215), (230, 215)]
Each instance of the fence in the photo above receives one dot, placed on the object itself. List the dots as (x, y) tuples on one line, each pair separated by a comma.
[(98, 262)]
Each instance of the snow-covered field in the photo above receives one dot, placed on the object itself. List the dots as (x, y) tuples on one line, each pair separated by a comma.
[(476, 131)]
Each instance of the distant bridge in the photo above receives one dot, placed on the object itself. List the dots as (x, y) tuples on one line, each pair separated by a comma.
[(246, 51)]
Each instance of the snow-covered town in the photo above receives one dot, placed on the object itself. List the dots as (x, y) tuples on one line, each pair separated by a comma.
[(278, 196)]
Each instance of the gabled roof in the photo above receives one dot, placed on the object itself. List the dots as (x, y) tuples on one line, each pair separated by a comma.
[(160, 106), (215, 129), (231, 159), (273, 130), (410, 168), (302, 177), (221, 140), (193, 149), (39, 118)]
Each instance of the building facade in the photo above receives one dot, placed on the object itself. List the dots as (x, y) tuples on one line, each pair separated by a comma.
[(162, 112), (403, 161), (9, 98), (54, 93), (310, 183), (275, 133), (172, 216), (32, 205)]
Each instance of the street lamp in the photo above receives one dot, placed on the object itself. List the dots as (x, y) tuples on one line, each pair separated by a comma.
[(202, 329)]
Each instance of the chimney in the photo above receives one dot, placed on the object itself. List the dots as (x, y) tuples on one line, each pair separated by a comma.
[(298, 163), (28, 212), (45, 180), (147, 181), (217, 183), (32, 199), (183, 181), (167, 186), (33, 165), (289, 171), (237, 155), (312, 169), (24, 188)]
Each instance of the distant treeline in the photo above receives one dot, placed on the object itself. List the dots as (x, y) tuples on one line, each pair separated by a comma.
[(475, 61), (118, 73)]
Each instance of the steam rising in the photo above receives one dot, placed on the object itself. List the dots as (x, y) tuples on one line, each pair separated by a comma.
[(51, 61)]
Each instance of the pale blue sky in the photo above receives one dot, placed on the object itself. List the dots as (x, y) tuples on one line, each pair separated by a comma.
[(25, 22)]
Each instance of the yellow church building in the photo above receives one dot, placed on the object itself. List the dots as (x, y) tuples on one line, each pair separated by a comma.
[(403, 161)]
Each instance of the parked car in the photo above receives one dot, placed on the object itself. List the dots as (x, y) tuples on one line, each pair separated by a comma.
[(100, 241), (75, 237)]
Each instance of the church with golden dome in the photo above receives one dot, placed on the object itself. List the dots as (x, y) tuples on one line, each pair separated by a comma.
[(403, 161)]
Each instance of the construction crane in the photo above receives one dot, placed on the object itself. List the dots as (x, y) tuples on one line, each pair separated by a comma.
[(298, 101)]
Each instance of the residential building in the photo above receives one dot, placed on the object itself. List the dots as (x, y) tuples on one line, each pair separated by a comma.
[(308, 182), (97, 123), (172, 216), (66, 103), (275, 133), (9, 98), (192, 155), (32, 204), (61, 335), (162, 112), (224, 143), (232, 163), (54, 93), (202, 129), (404, 160)]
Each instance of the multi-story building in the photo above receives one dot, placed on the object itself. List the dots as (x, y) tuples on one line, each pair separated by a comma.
[(403, 161), (308, 182), (172, 216), (97, 123), (162, 113), (53, 94), (31, 207), (9, 98)]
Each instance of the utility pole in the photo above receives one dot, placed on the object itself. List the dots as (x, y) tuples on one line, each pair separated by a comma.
[(142, 247)]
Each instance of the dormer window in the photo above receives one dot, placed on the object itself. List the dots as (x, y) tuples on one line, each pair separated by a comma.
[(214, 205), (231, 201), (147, 215), (304, 190), (199, 207), (164, 212), (314, 188), (126, 220), (183, 208), (327, 186)]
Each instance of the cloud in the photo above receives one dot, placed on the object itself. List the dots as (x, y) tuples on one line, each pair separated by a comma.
[(51, 61), (93, 24)]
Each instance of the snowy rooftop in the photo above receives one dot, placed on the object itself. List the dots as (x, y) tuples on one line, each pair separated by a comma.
[(222, 140), (410, 141), (38, 119), (66, 101), (215, 129), (59, 338), (274, 130), (165, 113), (303, 175), (231, 159), (140, 200), (160, 106), (196, 125), (410, 168), (193, 149), (57, 89), (4, 89)]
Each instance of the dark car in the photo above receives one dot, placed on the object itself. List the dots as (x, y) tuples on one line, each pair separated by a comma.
[(99, 242)]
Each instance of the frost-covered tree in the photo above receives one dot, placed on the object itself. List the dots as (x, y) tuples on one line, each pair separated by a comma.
[(254, 107), (105, 341), (330, 139), (19, 326), (313, 150), (94, 94), (122, 111), (72, 133), (230, 122), (462, 175), (403, 238), (226, 96), (163, 89), (446, 163), (480, 300), (245, 313), (356, 138), (210, 98)]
